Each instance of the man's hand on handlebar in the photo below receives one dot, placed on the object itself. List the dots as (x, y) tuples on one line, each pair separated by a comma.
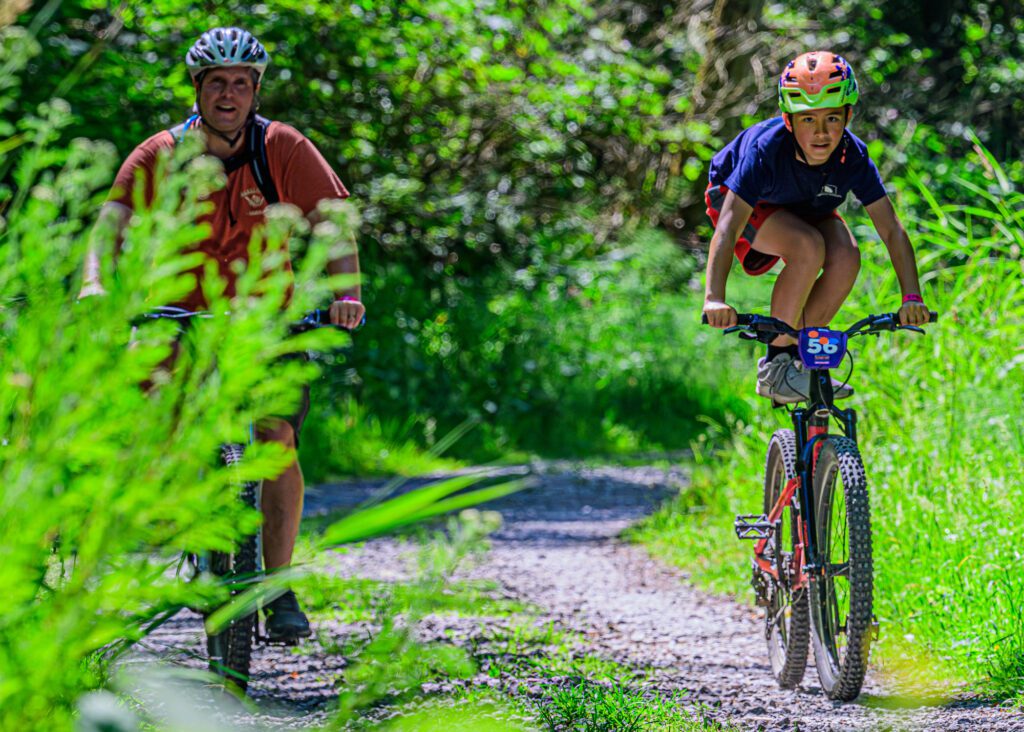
[(347, 312), (718, 314)]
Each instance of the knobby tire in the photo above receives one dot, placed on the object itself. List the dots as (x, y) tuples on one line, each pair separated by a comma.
[(841, 598), (230, 651), (787, 622)]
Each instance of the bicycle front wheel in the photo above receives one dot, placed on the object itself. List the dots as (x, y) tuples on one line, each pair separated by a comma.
[(230, 650), (787, 627), (841, 594)]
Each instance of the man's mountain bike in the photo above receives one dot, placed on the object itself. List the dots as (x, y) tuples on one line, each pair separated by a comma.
[(230, 647), (812, 552)]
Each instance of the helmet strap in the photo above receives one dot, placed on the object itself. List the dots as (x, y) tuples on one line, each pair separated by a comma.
[(788, 119)]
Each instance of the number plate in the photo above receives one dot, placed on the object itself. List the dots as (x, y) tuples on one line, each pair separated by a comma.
[(821, 348)]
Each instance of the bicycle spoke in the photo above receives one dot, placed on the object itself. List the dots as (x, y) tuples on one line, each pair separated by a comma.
[(842, 569)]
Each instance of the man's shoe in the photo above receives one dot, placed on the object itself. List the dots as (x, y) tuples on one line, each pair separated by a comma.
[(285, 622), (784, 380)]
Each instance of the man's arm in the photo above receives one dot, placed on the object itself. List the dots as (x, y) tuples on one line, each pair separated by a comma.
[(901, 253), (113, 217), (347, 310), (733, 217)]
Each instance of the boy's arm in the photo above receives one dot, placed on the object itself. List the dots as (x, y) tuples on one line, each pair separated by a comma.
[(901, 253), (731, 220)]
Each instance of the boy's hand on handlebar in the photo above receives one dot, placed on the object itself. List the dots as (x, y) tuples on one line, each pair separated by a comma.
[(348, 313), (718, 314), (914, 313)]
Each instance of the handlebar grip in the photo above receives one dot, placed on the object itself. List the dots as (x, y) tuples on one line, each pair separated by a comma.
[(741, 319), (932, 316)]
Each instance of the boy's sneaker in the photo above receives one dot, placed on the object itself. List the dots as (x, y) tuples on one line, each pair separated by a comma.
[(285, 622), (784, 380)]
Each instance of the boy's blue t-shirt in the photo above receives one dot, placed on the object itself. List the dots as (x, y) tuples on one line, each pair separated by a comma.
[(761, 165)]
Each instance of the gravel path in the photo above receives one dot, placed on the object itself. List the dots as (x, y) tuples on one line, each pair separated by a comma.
[(558, 551)]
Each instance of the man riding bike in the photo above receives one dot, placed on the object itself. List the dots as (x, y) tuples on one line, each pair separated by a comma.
[(227, 67)]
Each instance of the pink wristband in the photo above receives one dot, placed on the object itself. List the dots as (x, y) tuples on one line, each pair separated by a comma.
[(348, 298), (912, 298)]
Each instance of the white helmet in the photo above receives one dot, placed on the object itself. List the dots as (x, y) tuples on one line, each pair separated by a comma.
[(221, 47)]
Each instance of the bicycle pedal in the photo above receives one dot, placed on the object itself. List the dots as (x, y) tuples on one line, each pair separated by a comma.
[(753, 526)]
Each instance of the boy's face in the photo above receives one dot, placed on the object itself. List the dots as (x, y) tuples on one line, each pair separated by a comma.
[(226, 96), (818, 132)]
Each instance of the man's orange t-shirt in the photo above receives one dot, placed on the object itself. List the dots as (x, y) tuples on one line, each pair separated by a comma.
[(300, 173)]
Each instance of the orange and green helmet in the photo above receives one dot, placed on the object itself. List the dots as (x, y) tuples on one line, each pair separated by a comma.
[(817, 80)]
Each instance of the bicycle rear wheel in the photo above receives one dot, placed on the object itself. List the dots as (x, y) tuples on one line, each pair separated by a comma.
[(841, 596), (787, 627), (230, 650)]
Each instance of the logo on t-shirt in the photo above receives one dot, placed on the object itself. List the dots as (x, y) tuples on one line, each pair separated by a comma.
[(255, 199), (829, 190)]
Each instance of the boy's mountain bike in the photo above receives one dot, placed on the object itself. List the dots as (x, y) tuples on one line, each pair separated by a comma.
[(230, 648), (812, 554)]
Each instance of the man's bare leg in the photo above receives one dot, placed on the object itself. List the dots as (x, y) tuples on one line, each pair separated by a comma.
[(282, 511)]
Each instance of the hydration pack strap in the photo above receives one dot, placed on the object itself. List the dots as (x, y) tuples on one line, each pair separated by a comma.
[(256, 142), (254, 153)]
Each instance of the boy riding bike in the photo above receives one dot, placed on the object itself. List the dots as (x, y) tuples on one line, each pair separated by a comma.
[(773, 194), (265, 162)]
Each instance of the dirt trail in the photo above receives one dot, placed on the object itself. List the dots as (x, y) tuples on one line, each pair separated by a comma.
[(558, 550)]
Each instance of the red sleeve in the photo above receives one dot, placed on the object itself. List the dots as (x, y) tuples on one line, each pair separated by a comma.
[(301, 174), (141, 158)]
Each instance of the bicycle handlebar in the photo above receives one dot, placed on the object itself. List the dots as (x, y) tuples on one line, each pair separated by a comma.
[(311, 320), (767, 325)]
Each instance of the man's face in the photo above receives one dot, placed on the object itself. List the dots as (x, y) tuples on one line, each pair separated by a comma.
[(226, 97), (818, 132)]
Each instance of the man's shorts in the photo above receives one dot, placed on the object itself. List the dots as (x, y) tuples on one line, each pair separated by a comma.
[(753, 261)]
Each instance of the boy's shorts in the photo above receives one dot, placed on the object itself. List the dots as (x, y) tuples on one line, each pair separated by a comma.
[(753, 261)]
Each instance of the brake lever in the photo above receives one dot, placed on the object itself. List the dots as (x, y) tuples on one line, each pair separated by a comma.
[(911, 327), (733, 329)]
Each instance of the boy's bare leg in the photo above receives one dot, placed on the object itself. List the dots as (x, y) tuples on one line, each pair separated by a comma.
[(282, 503), (842, 264), (802, 248)]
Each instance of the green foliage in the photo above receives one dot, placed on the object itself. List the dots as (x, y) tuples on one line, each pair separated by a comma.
[(501, 149), (478, 139), (347, 438), (526, 172), (596, 708), (106, 483)]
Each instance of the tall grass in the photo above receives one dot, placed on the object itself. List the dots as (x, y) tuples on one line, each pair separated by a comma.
[(941, 436)]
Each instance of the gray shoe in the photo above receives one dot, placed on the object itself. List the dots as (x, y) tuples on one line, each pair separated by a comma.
[(784, 380)]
